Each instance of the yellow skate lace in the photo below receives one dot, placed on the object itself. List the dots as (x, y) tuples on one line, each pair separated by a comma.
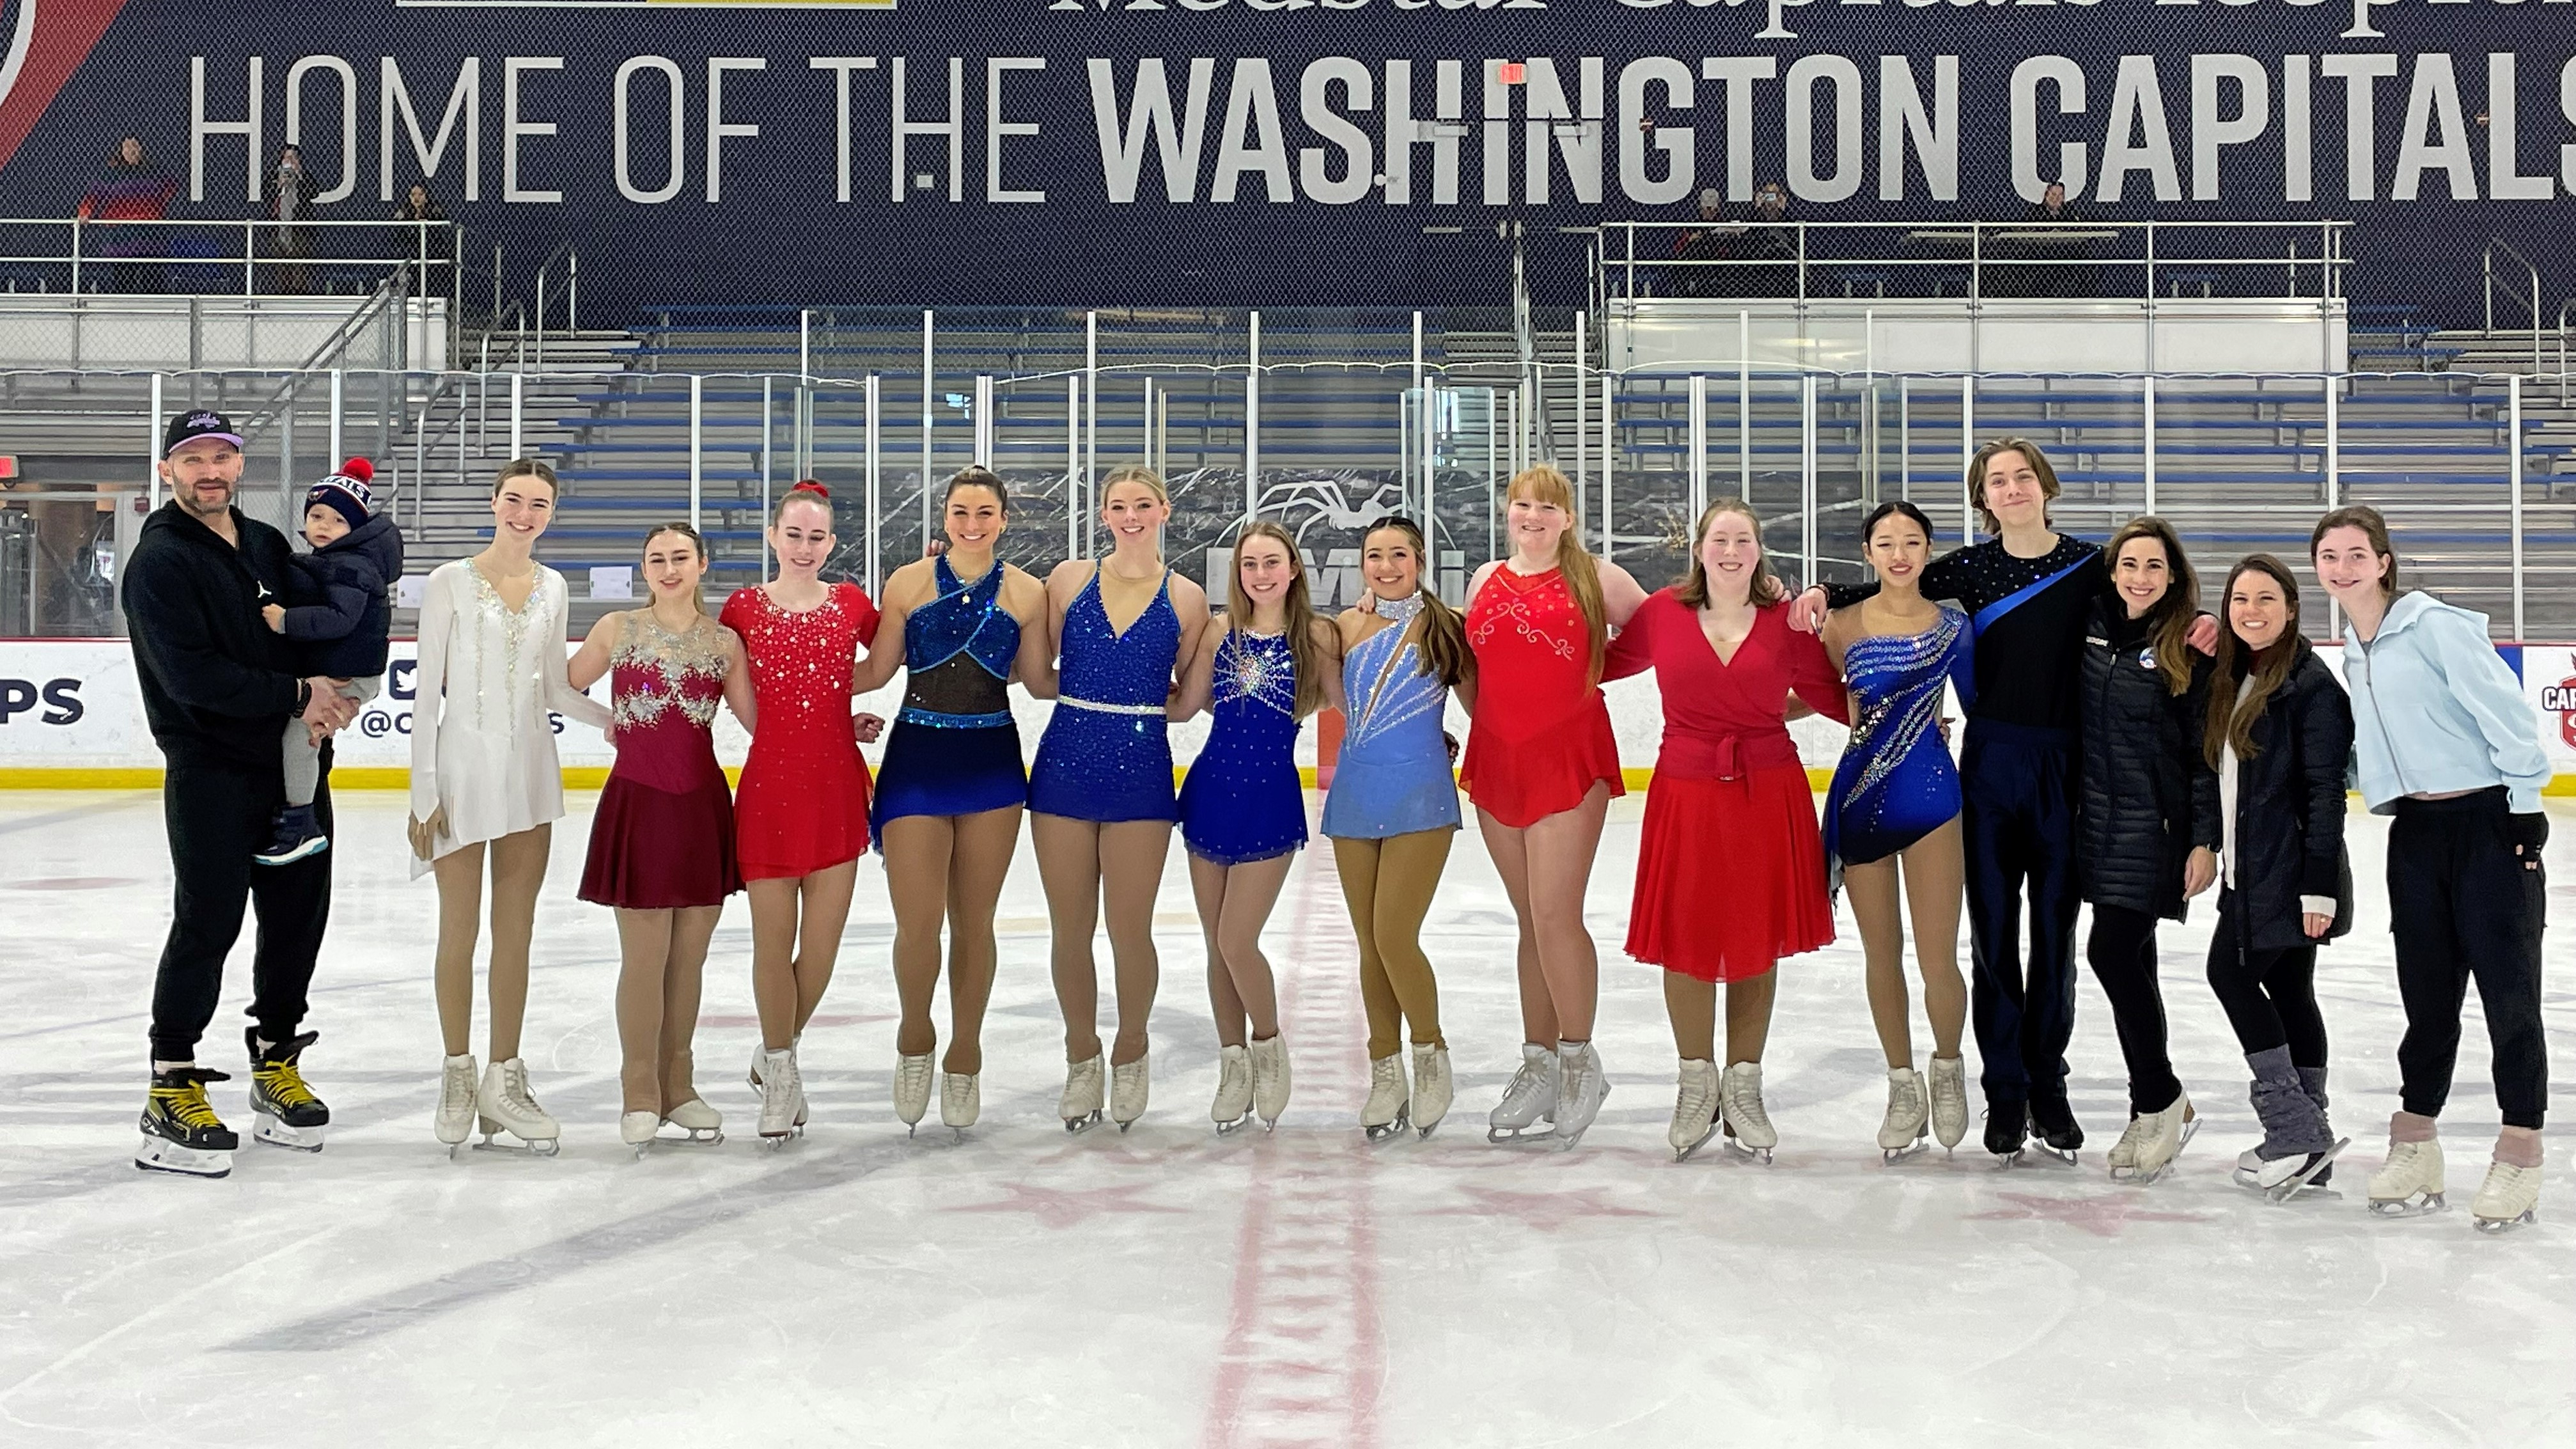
[(187, 1105), (281, 1083)]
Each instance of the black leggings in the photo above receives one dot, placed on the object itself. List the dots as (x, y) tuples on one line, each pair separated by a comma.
[(2123, 952), (2270, 996)]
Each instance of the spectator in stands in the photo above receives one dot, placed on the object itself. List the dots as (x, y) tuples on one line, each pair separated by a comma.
[(1773, 239), (1712, 240), (2052, 209), (290, 205), (419, 205), (130, 191)]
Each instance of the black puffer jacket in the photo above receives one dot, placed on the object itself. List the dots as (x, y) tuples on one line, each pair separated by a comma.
[(2149, 795), (217, 684), (339, 601), (2290, 807)]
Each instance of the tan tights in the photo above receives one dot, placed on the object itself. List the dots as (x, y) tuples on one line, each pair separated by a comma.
[(1692, 1005), (1388, 884), (1546, 868), (947, 868), (664, 961), (1081, 863), (795, 938), (518, 872), (1234, 904), (1935, 880)]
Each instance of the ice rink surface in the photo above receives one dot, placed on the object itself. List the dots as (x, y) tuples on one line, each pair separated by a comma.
[(1169, 1288)]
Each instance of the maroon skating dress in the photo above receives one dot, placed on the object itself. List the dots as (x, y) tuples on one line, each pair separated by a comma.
[(1730, 869), (662, 838), (803, 803)]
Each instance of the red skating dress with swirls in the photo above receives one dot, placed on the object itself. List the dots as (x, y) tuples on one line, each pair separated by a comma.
[(803, 802), (1541, 738), (663, 835), (1730, 870)]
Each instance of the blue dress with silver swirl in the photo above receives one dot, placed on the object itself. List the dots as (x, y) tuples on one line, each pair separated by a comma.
[(1895, 783), (1107, 752), (1242, 800), (953, 749), (1392, 777)]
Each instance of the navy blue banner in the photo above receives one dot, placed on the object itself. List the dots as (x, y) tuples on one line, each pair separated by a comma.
[(1317, 152)]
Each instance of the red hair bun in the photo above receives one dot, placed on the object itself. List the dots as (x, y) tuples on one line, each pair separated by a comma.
[(808, 485)]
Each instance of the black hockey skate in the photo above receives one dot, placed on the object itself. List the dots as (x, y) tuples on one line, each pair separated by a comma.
[(285, 1111), (2007, 1127), (2053, 1122), (181, 1133)]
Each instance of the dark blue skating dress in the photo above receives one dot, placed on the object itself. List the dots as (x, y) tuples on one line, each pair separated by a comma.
[(1242, 801)]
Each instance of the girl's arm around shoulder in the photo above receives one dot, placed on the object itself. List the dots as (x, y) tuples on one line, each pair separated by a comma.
[(1329, 651), (590, 662), (738, 693), (1632, 649), (1621, 594), (1198, 680)]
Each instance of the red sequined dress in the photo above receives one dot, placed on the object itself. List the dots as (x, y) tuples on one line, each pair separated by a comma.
[(662, 838), (803, 802), (1541, 738)]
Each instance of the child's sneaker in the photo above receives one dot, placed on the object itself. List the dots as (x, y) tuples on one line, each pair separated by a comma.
[(293, 835)]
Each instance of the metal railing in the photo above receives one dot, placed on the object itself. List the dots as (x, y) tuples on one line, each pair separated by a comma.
[(2531, 303), (2487, 505), (2031, 257), (161, 255)]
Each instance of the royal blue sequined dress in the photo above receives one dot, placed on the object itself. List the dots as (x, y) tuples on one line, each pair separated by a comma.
[(1242, 800), (1895, 783), (1107, 752)]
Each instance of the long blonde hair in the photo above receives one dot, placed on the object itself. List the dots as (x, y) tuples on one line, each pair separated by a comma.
[(1543, 484), (1302, 651)]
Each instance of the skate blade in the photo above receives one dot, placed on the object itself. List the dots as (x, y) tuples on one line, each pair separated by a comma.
[(2282, 1192), (1423, 1130), (1076, 1126), (1123, 1126), (279, 1133), (2493, 1227), (157, 1155), (1890, 1156), (1685, 1154), (1389, 1131), (776, 1140), (693, 1136), (1530, 1136), (2007, 1161), (641, 1148), (2421, 1205), (1229, 1129), (1742, 1153), (525, 1146)]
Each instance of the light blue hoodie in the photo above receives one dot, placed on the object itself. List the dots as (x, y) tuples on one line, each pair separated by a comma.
[(2435, 709)]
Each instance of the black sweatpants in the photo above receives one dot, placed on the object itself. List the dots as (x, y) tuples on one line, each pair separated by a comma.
[(2123, 952), (2270, 996), (216, 816), (2017, 787), (2463, 905)]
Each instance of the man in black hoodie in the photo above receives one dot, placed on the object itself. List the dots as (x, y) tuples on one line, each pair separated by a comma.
[(218, 688)]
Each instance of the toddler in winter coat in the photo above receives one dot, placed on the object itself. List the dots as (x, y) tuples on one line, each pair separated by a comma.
[(338, 610)]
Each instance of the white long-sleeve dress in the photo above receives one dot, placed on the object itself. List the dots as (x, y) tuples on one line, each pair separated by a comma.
[(482, 745)]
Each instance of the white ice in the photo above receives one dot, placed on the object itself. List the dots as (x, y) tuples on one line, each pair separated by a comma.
[(1170, 1288)]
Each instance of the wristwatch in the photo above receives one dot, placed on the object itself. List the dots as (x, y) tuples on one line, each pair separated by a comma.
[(303, 695)]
